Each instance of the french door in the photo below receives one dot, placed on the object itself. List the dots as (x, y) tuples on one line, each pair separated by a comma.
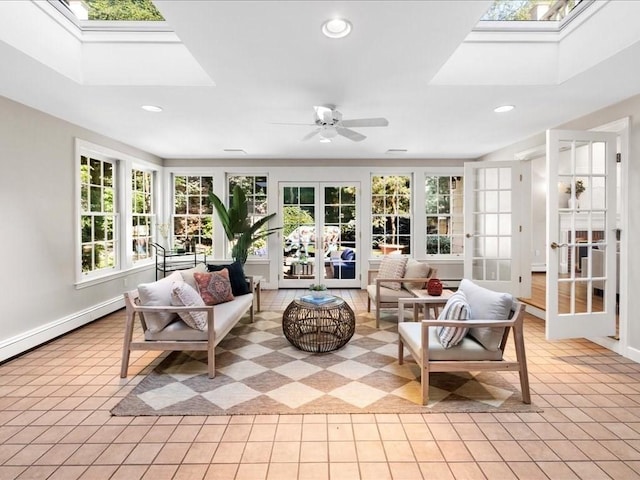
[(581, 234), (319, 239), (497, 223)]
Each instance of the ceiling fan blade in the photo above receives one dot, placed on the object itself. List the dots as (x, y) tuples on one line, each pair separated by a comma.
[(310, 135), (284, 123), (350, 134), (366, 122)]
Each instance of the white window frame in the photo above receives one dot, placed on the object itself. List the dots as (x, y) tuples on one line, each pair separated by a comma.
[(172, 203), (151, 215), (254, 216), (123, 238), (448, 214), (412, 202)]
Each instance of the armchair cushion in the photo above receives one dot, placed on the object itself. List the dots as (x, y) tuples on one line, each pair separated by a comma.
[(467, 350), (387, 295), (415, 269), (156, 294), (392, 266), (486, 304), (456, 308), (214, 287), (182, 295)]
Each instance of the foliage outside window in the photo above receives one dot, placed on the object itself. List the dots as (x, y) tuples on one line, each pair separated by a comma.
[(192, 213), (444, 215), (390, 214), (142, 214), (98, 215), (529, 10), (255, 190), (123, 10)]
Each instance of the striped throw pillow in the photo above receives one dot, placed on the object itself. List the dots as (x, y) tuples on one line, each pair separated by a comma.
[(456, 308)]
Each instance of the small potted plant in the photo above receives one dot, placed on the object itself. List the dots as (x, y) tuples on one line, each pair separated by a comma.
[(318, 290)]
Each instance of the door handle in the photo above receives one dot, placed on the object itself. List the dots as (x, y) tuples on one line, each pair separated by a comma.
[(469, 235), (555, 245)]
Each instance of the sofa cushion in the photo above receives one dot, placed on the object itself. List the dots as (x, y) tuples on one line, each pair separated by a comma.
[(187, 275), (392, 266), (158, 294), (214, 287), (225, 317), (238, 279), (182, 295), (415, 269), (485, 304), (468, 349), (456, 308)]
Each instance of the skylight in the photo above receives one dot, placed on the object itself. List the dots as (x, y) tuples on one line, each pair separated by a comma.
[(114, 10), (532, 10)]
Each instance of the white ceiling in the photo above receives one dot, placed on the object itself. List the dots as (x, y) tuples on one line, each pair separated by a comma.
[(232, 70)]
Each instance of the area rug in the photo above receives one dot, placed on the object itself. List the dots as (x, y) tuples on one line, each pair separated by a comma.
[(259, 372)]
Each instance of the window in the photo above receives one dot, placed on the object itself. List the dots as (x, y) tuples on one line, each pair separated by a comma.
[(193, 213), (390, 214), (98, 214), (255, 189), (444, 215), (142, 214), (530, 10)]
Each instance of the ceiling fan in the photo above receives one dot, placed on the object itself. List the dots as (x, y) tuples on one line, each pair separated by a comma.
[(329, 124)]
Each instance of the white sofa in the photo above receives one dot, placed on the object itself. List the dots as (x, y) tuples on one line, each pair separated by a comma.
[(164, 330)]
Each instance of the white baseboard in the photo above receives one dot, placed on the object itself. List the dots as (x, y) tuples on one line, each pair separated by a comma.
[(632, 354), (539, 267), (21, 343)]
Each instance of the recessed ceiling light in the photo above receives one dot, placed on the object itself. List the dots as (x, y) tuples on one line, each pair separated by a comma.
[(336, 28), (152, 108), (325, 140), (503, 108)]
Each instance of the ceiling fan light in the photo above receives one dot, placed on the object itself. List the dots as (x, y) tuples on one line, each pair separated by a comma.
[(336, 28), (503, 108), (325, 140), (328, 132)]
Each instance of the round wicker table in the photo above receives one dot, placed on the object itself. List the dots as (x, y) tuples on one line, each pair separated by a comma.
[(318, 328)]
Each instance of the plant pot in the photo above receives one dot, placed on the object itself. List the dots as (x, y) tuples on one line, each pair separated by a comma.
[(318, 293)]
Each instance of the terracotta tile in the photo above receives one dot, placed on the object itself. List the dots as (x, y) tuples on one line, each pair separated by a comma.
[(190, 472), (466, 471), (257, 452), (499, 470), (436, 471), (314, 452), (343, 471), (252, 471), (285, 452), (314, 471), (375, 471), (588, 470), (342, 452)]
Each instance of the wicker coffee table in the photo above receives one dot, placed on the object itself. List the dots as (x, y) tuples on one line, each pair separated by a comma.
[(318, 328)]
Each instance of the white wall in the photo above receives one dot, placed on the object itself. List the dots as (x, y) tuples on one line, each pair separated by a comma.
[(37, 240), (629, 270)]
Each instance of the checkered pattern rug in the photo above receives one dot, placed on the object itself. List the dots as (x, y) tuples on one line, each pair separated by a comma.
[(259, 372)]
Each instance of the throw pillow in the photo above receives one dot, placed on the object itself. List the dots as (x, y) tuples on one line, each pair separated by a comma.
[(392, 266), (415, 269), (187, 274), (158, 294), (214, 287), (182, 295), (239, 285), (487, 305), (456, 308)]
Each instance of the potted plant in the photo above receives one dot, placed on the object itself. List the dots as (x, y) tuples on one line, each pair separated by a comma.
[(577, 190), (318, 290), (237, 224), (578, 187)]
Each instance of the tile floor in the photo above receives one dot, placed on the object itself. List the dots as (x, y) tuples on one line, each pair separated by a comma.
[(55, 423)]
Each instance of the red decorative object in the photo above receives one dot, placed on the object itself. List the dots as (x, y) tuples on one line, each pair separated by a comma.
[(434, 287)]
